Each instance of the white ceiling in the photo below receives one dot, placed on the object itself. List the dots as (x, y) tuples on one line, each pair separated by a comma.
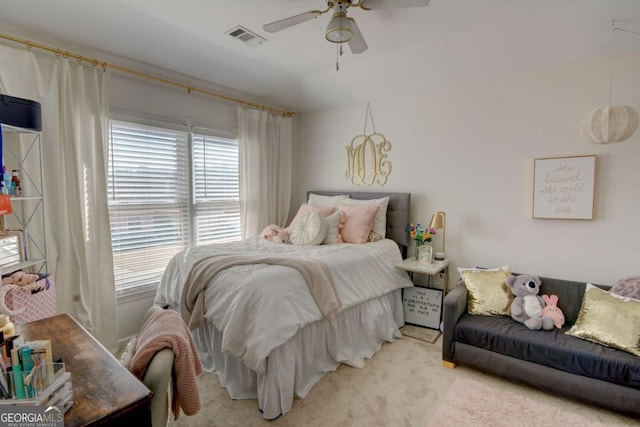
[(414, 49)]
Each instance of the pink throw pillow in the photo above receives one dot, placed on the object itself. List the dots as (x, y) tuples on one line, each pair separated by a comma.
[(358, 220), (627, 287), (305, 208)]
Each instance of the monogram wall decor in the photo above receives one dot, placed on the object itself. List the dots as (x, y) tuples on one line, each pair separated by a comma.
[(367, 161)]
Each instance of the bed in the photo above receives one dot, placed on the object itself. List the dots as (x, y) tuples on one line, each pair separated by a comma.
[(265, 336)]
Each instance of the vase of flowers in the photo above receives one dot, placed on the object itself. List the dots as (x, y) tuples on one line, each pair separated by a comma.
[(420, 235)]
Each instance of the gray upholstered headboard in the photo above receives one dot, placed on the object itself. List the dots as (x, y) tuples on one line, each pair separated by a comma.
[(397, 212)]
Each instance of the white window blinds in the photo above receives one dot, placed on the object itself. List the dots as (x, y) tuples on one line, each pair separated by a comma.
[(168, 190), (148, 200), (216, 189)]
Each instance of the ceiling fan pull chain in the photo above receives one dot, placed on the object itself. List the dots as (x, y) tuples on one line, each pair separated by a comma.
[(337, 59)]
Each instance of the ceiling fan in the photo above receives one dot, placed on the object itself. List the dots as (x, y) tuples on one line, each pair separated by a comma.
[(342, 29)]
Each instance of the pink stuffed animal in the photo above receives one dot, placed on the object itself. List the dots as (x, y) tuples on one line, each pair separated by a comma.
[(275, 233), (552, 310)]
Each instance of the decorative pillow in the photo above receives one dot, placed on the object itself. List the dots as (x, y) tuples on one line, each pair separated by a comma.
[(608, 319), (488, 294), (358, 220), (627, 287), (379, 229), (335, 223), (310, 229), (306, 208), (330, 201)]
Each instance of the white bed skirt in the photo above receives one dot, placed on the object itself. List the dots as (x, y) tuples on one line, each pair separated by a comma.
[(318, 348)]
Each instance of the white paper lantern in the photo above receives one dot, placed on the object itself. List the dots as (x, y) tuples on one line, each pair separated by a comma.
[(609, 124)]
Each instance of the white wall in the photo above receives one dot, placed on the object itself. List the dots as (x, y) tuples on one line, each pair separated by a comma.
[(469, 150), (162, 101)]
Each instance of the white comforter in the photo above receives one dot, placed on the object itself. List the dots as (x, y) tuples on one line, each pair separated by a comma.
[(259, 307)]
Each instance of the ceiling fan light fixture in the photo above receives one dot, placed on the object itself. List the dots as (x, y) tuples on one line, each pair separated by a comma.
[(339, 29)]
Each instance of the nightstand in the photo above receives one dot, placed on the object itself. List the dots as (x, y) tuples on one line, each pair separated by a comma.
[(412, 265), (423, 305)]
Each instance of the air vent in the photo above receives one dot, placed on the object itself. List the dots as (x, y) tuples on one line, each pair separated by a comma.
[(244, 35)]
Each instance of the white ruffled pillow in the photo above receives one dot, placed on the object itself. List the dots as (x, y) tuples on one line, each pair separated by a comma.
[(322, 200), (309, 229), (335, 222)]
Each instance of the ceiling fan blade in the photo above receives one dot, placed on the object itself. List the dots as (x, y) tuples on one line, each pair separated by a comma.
[(356, 43), (291, 21), (392, 4)]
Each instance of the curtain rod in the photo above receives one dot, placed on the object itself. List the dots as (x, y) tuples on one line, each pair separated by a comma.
[(106, 65)]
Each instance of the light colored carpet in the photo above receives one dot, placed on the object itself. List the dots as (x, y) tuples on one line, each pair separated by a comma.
[(423, 334), (473, 403), (404, 384)]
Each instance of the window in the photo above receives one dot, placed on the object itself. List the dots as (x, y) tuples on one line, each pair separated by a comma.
[(216, 189), (158, 206)]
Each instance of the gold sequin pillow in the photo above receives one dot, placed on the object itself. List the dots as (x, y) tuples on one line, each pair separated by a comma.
[(608, 319), (487, 292)]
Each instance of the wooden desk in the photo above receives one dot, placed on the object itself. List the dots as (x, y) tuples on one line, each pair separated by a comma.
[(104, 392)]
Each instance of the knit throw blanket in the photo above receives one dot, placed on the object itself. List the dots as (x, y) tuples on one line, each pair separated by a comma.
[(165, 329), (315, 273)]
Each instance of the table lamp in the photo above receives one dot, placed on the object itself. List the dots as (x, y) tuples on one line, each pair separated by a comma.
[(438, 221)]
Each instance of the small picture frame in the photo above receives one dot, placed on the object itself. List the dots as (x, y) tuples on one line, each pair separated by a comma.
[(425, 254)]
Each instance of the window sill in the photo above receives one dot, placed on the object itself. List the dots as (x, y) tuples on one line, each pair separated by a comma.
[(135, 293)]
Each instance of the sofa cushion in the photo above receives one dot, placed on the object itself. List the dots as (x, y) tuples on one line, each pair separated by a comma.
[(550, 348)]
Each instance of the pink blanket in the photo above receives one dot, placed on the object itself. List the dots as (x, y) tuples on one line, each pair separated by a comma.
[(165, 329)]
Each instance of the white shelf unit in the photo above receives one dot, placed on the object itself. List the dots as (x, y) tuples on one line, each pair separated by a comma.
[(22, 150)]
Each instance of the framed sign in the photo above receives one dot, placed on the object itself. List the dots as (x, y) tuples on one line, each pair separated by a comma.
[(425, 254), (563, 187), (422, 306)]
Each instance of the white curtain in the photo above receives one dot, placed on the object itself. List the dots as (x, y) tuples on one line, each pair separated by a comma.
[(265, 169), (74, 101)]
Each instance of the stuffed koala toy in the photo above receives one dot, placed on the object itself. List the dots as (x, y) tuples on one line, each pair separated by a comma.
[(275, 233), (527, 305)]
